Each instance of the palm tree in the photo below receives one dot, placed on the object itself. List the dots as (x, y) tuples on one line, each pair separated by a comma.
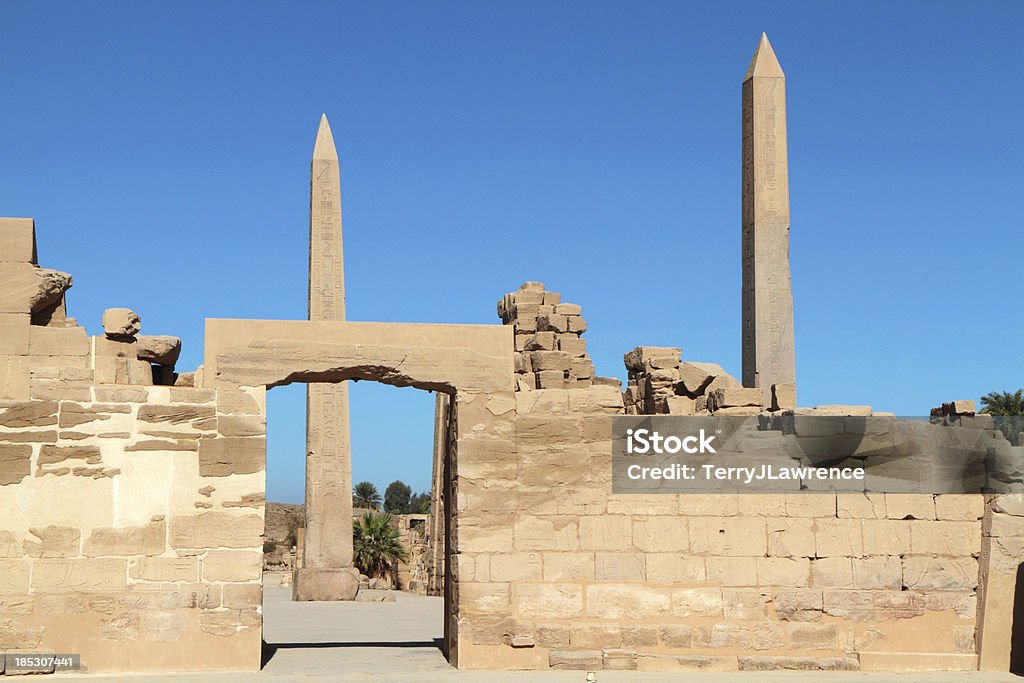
[(1006, 409), (375, 544), (1003, 403), (365, 495)]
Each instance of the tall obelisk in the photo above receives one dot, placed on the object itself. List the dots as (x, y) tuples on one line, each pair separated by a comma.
[(768, 355), (327, 572)]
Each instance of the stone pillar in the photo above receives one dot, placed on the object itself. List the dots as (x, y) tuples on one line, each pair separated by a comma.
[(327, 572), (768, 355)]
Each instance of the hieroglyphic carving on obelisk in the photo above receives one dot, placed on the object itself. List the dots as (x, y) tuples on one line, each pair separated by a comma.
[(768, 354), (328, 541)]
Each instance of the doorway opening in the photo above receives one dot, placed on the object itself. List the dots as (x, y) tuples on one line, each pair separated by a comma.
[(397, 487)]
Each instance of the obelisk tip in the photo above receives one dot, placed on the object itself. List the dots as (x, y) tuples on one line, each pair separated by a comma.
[(324, 147), (764, 63)]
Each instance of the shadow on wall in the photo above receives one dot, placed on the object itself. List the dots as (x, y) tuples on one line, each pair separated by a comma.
[(1017, 630)]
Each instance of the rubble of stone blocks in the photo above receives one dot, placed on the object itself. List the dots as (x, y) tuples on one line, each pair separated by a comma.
[(42, 350), (660, 383), (550, 350)]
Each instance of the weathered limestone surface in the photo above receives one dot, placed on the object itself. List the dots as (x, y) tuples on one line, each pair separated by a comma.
[(435, 357), (121, 322), (768, 350), (328, 508), (146, 564)]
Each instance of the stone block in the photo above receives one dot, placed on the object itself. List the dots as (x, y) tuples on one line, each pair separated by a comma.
[(675, 568), (233, 565), (838, 538), (573, 345), (583, 660), (723, 636), (516, 567), (945, 538), (74, 414), (681, 405), (832, 572), (940, 573), (745, 603), (877, 573), (910, 506), (237, 402), (14, 377), (29, 414), (639, 359), (314, 584), (14, 577), (15, 463), (553, 323), (550, 360), (783, 571), (727, 571), (852, 605), (549, 601), (619, 600), (605, 532), (577, 324), (225, 456), (30, 289), (121, 322), (165, 569), (915, 661), (540, 341), (572, 566), (784, 663), (79, 575), (18, 240), (623, 567), (54, 541), (959, 506), (241, 425), (58, 341), (860, 506), (730, 536), (552, 635), (15, 329), (734, 397), (550, 379), (229, 622), (677, 636), (697, 602), (115, 362), (602, 636), (50, 454), (886, 536), (161, 349), (790, 536), (801, 605), (216, 530), (148, 539), (660, 534)]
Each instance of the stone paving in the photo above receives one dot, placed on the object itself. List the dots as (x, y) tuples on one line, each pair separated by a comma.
[(352, 641)]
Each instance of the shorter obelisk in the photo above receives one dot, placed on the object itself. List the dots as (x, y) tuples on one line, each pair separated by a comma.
[(768, 353), (327, 572)]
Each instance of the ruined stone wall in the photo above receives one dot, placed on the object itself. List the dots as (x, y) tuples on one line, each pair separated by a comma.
[(557, 571), (132, 523)]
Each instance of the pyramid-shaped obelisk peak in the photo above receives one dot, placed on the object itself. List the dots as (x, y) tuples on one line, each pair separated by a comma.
[(324, 147), (764, 63)]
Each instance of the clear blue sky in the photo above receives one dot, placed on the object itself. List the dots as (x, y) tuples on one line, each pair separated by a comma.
[(164, 151)]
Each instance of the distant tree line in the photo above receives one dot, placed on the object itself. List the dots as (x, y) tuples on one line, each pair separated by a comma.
[(398, 498)]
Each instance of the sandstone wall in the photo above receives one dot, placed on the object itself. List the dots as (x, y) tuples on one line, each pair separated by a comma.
[(132, 523), (556, 571)]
